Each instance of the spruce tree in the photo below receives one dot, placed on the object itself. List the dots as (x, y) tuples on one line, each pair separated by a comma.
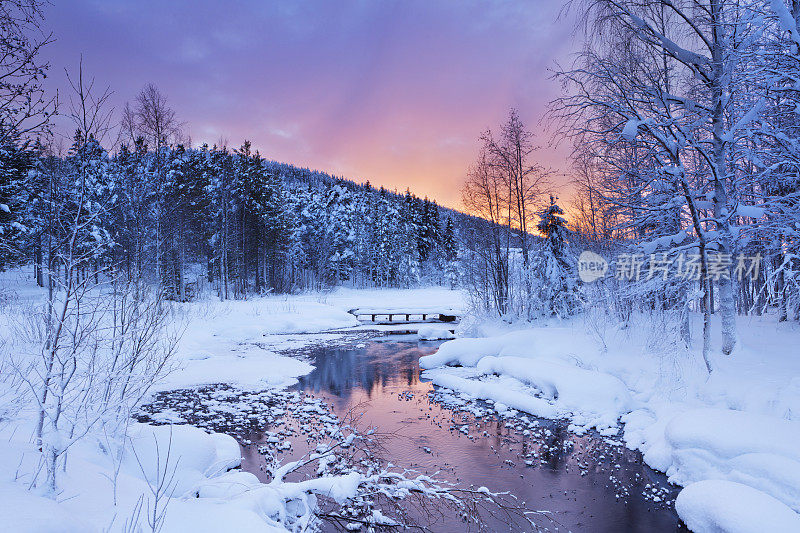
[(15, 161), (556, 288), (450, 251)]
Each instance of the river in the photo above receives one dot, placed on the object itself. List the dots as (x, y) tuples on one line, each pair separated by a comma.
[(584, 482)]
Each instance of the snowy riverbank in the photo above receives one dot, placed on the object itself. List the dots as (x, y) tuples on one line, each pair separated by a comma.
[(181, 477), (740, 427), (730, 439)]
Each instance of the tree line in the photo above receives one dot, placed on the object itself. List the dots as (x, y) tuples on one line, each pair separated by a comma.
[(183, 217), (186, 218)]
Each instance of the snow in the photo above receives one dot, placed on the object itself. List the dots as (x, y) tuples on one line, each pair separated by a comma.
[(595, 398), (740, 425), (433, 333), (192, 462), (502, 391), (681, 54), (630, 129), (239, 343), (339, 488), (191, 453), (786, 19), (750, 211), (757, 450), (666, 241), (407, 310), (24, 511), (556, 387), (222, 342), (727, 433), (716, 506)]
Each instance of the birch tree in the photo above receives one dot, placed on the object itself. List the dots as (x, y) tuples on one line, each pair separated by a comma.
[(662, 78)]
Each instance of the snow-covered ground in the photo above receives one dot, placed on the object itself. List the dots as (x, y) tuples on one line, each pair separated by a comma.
[(730, 439), (739, 428), (180, 476), (234, 342)]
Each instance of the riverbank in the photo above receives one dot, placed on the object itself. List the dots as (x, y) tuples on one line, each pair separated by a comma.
[(175, 477), (739, 426)]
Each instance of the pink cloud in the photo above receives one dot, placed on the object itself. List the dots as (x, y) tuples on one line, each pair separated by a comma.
[(393, 92)]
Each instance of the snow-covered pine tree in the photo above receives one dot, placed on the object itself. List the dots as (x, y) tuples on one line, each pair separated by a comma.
[(340, 235), (277, 230), (450, 252), (15, 162), (90, 194), (554, 280)]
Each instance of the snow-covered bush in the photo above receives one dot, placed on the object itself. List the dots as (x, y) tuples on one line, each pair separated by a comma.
[(84, 360)]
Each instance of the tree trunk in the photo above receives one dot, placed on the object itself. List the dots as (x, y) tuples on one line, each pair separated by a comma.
[(727, 306)]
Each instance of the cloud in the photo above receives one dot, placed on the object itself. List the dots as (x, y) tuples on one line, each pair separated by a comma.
[(396, 92)]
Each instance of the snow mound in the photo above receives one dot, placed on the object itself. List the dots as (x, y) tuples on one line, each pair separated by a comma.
[(727, 433), (22, 510), (757, 450), (504, 391), (432, 333), (191, 453), (519, 370), (717, 506), (590, 398), (467, 352), (228, 485)]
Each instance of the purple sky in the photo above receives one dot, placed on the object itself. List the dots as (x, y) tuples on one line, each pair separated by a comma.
[(393, 92)]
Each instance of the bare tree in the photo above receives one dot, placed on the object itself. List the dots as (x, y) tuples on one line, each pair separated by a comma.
[(512, 154), (153, 118), (486, 194), (88, 108), (25, 108)]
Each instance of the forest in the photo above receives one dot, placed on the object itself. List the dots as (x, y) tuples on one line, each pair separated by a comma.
[(209, 218), (613, 342)]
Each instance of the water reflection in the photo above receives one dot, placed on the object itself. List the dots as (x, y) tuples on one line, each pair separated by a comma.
[(587, 484), (370, 370)]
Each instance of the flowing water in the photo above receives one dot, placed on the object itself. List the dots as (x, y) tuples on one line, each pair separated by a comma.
[(586, 482)]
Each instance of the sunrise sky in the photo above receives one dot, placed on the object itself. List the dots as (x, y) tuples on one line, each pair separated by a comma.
[(394, 92)]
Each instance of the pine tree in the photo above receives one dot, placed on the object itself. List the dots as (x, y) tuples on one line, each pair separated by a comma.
[(340, 219), (15, 161), (450, 250), (91, 193), (277, 230), (555, 286)]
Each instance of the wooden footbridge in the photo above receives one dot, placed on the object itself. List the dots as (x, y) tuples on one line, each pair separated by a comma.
[(406, 315)]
